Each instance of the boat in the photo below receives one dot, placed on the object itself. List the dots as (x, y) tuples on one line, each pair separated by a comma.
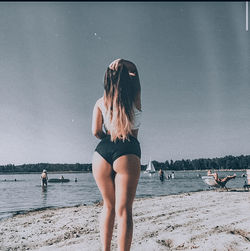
[(150, 167), (209, 180), (58, 180)]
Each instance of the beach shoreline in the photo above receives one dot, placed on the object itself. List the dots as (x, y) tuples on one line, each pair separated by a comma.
[(206, 220)]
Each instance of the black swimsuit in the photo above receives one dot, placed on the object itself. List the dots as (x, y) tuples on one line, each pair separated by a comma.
[(110, 151)]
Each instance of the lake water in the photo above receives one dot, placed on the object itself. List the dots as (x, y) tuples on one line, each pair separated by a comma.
[(26, 192)]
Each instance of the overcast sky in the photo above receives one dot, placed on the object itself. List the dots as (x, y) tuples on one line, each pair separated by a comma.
[(193, 61)]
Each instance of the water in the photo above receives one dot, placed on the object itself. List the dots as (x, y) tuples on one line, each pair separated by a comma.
[(26, 192)]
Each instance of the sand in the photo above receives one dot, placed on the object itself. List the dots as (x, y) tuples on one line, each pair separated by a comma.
[(207, 220)]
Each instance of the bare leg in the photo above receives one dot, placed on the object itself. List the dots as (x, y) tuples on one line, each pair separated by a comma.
[(104, 177), (127, 170), (226, 179)]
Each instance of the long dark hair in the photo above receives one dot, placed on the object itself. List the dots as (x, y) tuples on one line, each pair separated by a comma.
[(121, 89)]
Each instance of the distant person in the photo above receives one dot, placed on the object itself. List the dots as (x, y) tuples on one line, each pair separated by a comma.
[(116, 160), (222, 182), (44, 178), (161, 175), (62, 178), (75, 179), (172, 175)]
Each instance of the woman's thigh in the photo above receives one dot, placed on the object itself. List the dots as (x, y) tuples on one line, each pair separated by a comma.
[(104, 177), (127, 168)]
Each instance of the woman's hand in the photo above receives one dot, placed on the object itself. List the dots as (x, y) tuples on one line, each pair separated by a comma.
[(114, 65), (130, 66)]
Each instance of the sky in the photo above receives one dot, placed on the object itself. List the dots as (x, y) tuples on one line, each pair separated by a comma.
[(193, 63)]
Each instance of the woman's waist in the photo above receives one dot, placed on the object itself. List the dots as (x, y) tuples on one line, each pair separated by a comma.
[(129, 136)]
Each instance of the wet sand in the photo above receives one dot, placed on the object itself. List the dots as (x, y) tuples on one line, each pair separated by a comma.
[(208, 220)]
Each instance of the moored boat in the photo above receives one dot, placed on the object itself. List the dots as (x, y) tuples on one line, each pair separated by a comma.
[(58, 180)]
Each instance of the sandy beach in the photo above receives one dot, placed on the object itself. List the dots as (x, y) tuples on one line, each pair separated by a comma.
[(208, 220)]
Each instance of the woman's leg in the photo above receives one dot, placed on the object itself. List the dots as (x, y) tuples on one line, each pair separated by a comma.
[(226, 179), (104, 177), (127, 170)]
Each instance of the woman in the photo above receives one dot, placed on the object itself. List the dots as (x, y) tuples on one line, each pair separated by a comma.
[(222, 182), (116, 160)]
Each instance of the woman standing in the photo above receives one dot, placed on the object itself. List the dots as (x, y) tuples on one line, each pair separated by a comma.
[(116, 160)]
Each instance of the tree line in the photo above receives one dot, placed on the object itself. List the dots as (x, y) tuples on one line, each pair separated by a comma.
[(39, 167), (227, 162)]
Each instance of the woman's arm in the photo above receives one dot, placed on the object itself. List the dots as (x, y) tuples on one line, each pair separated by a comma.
[(138, 101), (138, 106), (97, 122)]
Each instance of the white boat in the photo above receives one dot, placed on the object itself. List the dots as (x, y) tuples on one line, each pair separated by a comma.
[(150, 167), (209, 180)]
